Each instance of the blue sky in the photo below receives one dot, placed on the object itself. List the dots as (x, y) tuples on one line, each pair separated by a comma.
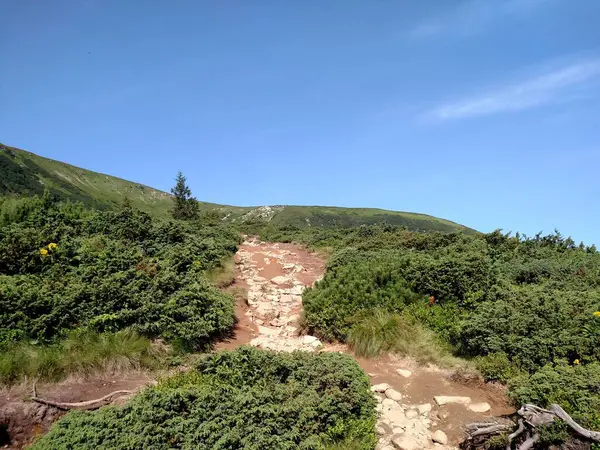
[(482, 112)]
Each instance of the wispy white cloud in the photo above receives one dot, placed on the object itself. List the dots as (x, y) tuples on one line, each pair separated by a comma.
[(550, 87), (473, 17)]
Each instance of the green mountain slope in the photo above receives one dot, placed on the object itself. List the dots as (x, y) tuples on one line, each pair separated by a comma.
[(25, 173)]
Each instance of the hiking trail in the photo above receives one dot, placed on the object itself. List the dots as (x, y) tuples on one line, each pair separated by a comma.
[(420, 407)]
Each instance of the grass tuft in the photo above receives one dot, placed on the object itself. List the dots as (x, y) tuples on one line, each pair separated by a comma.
[(379, 331), (82, 353), (224, 275)]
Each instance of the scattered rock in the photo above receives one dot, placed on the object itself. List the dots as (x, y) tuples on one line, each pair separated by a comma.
[(404, 373), (393, 394), (445, 399), (279, 280), (396, 417), (388, 403), (380, 430), (316, 343), (381, 388), (285, 299), (266, 331), (412, 414), (440, 437), (296, 290), (480, 407), (405, 442), (276, 323), (294, 318), (425, 408), (308, 340)]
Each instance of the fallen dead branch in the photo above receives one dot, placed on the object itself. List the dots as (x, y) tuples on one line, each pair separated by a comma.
[(87, 405), (530, 417)]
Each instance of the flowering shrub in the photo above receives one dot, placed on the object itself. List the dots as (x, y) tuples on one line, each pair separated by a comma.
[(65, 267)]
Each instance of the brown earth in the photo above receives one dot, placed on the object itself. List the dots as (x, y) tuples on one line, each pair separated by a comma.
[(24, 420)]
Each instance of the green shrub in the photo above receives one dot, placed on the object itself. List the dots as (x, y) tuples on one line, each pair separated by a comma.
[(247, 398), (496, 367), (65, 267), (332, 307)]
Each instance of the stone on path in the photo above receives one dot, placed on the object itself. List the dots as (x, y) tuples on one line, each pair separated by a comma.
[(412, 414), (390, 404), (381, 388), (296, 290), (279, 280), (440, 437), (405, 442), (308, 340), (266, 331), (396, 417), (393, 394), (425, 408), (480, 407), (445, 399), (293, 318), (404, 373)]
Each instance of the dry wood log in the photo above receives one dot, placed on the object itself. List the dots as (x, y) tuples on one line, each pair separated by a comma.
[(86, 405), (530, 417)]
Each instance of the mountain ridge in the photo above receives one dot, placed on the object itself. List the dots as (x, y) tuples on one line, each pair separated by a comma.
[(25, 173)]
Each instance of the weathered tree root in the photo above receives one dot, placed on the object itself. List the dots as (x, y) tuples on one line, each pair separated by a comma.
[(530, 417), (87, 405)]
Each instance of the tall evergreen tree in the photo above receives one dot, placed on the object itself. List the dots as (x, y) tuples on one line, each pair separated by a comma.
[(185, 206)]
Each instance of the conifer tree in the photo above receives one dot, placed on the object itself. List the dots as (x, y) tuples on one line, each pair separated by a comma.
[(185, 206)]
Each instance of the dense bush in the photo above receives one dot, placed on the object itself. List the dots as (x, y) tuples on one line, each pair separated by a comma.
[(245, 399), (64, 267), (335, 304)]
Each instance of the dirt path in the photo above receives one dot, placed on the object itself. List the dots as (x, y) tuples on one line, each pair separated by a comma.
[(24, 420), (275, 275)]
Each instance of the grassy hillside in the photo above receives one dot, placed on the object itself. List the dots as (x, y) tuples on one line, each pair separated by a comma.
[(25, 173)]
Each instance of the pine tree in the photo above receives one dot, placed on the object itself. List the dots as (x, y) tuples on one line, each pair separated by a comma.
[(185, 206)]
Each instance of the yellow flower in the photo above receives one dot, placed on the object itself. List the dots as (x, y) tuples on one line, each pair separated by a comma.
[(597, 313), (43, 252), (576, 362), (52, 246)]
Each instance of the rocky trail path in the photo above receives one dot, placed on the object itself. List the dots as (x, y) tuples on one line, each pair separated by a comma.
[(420, 407)]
